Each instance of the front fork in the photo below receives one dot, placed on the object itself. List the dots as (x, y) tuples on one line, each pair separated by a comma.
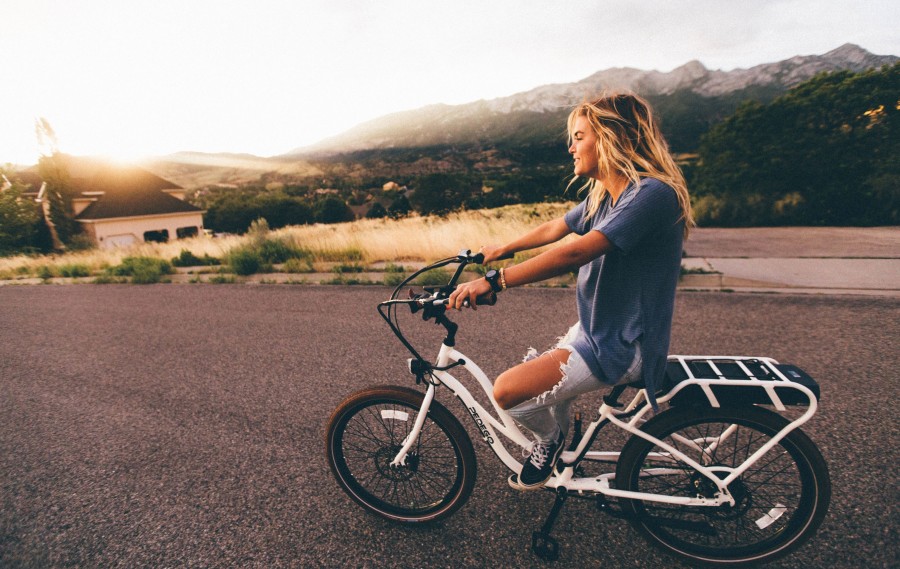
[(413, 436)]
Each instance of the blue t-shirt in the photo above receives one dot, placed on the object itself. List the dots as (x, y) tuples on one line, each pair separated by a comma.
[(628, 295)]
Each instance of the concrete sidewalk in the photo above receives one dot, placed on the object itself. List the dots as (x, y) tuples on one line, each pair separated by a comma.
[(815, 260)]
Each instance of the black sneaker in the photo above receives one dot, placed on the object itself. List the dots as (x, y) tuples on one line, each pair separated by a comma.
[(539, 466)]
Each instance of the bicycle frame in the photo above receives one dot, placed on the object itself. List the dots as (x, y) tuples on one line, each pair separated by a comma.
[(628, 419), (489, 427)]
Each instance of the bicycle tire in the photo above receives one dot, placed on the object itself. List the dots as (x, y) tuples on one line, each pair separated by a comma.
[(366, 432), (781, 499)]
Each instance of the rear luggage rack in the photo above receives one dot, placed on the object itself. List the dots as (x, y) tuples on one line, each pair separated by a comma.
[(739, 380)]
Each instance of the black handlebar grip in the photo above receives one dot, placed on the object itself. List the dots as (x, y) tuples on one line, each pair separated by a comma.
[(478, 258), (486, 300)]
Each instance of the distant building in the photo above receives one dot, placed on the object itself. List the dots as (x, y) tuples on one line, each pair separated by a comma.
[(122, 205)]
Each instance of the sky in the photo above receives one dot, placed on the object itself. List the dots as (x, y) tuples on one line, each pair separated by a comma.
[(132, 78)]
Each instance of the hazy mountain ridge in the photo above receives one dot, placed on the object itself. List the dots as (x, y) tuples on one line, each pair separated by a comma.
[(523, 131), (506, 119)]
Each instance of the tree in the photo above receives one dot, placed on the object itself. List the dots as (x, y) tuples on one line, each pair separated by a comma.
[(332, 209), (19, 220), (399, 206), (443, 193), (823, 154), (58, 191), (377, 211), (281, 210)]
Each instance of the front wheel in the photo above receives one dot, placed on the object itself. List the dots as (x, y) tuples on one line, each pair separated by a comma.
[(366, 432), (780, 500)]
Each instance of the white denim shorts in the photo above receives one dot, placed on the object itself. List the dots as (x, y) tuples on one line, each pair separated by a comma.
[(577, 368), (548, 414)]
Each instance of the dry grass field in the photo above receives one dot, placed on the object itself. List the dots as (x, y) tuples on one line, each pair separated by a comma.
[(365, 241)]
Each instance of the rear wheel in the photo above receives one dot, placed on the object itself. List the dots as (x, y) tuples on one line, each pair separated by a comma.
[(366, 432), (780, 500)]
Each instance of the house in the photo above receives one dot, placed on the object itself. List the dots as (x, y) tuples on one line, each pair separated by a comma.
[(122, 205)]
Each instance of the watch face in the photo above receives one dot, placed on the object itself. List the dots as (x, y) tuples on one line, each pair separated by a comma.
[(491, 277)]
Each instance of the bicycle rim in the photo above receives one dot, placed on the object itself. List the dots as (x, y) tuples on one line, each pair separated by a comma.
[(366, 434), (780, 500)]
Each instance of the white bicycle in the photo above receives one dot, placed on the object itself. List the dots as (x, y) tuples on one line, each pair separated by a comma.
[(714, 478)]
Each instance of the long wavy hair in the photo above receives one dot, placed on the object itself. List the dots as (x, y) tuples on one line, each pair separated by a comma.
[(630, 144)]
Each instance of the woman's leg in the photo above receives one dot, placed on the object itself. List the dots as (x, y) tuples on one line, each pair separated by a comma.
[(538, 393)]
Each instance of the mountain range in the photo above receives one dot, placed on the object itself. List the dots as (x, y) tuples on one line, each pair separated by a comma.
[(524, 128), (686, 95)]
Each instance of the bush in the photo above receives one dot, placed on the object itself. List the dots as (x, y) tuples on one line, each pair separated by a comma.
[(74, 271), (142, 270), (393, 279), (436, 277), (297, 266), (273, 251), (263, 252), (46, 272), (187, 259), (244, 261)]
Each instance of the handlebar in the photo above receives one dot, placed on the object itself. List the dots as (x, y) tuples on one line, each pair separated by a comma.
[(463, 258), (433, 304)]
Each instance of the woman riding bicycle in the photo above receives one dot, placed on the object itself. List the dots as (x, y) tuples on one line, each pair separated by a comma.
[(631, 226)]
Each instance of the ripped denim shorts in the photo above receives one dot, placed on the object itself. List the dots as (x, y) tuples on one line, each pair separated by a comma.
[(548, 413)]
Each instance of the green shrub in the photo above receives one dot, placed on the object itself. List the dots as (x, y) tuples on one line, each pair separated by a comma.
[(392, 268), (244, 261), (437, 277), (74, 270), (142, 270), (297, 266), (347, 268), (46, 272), (187, 259), (278, 251), (263, 252), (393, 279)]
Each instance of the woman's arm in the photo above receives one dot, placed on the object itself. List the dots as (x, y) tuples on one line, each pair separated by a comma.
[(544, 234), (548, 264), (559, 260)]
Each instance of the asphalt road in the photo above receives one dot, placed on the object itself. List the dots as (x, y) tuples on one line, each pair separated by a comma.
[(182, 426)]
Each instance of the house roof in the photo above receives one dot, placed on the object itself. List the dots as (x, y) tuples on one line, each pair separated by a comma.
[(29, 179), (128, 191)]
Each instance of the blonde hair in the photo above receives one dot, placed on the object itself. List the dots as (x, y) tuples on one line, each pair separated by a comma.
[(630, 144)]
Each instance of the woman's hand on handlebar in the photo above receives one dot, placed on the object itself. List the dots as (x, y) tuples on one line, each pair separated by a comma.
[(493, 253), (469, 291)]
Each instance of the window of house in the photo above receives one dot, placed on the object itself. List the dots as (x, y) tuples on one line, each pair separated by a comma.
[(160, 236), (183, 232)]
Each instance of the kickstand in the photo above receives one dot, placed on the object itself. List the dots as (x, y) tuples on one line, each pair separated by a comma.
[(542, 544)]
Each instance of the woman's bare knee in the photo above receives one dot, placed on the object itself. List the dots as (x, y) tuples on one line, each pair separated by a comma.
[(504, 395)]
